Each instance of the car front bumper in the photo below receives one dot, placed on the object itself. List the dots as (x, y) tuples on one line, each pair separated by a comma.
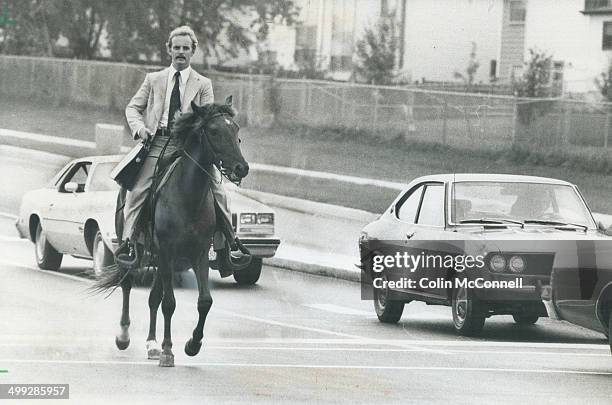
[(261, 247)]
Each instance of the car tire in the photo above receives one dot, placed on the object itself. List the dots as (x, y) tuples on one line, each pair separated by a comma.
[(387, 309), (102, 256), (468, 312), (47, 257), (525, 319), (610, 331), (250, 275)]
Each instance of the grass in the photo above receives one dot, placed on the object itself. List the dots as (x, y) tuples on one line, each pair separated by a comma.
[(344, 152)]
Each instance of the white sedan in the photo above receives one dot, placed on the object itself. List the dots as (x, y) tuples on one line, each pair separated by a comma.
[(74, 214)]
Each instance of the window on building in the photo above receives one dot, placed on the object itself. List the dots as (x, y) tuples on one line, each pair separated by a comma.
[(341, 62), (518, 12), (607, 35), (306, 37)]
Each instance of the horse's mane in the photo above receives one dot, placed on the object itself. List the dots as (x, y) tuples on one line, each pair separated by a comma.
[(193, 122)]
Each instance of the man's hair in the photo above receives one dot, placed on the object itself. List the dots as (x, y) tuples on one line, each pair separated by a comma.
[(183, 30)]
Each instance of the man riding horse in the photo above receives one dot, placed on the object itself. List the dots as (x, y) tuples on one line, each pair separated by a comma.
[(150, 115)]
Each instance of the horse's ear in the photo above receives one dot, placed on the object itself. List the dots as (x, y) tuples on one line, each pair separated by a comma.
[(228, 100), (196, 108)]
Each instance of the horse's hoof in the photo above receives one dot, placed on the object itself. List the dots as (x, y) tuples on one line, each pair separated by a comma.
[(192, 348), (166, 360), (153, 350), (122, 344)]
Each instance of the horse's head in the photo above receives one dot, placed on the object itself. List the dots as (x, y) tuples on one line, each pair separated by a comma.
[(213, 127)]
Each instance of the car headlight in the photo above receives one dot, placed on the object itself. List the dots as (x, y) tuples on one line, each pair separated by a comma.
[(516, 264), (248, 218), (265, 219), (497, 263)]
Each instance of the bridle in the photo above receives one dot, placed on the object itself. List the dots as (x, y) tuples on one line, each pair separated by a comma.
[(215, 155)]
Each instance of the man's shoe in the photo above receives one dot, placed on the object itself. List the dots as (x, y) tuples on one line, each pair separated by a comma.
[(233, 258)]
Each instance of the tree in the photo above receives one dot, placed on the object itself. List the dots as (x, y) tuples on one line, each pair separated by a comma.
[(604, 83), (376, 53), (470, 71), (138, 28), (535, 81)]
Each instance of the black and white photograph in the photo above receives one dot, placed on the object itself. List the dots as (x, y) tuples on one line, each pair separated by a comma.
[(306, 201)]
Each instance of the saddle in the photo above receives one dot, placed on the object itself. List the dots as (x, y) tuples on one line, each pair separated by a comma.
[(145, 254)]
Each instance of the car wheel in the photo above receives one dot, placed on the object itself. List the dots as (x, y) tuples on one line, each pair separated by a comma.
[(468, 312), (525, 319), (47, 257), (102, 256), (387, 309), (610, 331), (249, 275)]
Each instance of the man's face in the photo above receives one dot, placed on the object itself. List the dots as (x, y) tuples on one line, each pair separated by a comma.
[(181, 52)]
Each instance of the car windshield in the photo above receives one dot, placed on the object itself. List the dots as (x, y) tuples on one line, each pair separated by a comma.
[(101, 180), (504, 202)]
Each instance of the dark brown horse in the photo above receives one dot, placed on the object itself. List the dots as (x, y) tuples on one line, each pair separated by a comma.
[(184, 223)]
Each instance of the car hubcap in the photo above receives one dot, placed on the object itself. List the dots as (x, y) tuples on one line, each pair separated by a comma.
[(98, 256), (461, 306), (40, 243)]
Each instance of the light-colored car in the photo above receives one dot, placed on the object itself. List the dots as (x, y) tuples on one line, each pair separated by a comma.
[(74, 214), (514, 231)]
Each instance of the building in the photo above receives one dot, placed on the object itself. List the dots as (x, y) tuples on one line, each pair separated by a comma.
[(577, 33)]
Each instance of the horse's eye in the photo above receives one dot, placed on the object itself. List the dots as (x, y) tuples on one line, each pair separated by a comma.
[(239, 140)]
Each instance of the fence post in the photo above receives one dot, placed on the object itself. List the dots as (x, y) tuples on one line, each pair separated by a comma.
[(444, 123), (607, 127)]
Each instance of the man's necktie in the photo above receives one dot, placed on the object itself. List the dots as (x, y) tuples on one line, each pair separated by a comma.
[(175, 100)]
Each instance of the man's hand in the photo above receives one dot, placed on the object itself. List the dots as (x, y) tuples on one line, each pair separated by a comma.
[(145, 134)]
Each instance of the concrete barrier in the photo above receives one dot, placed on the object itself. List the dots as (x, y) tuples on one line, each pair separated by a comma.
[(108, 139)]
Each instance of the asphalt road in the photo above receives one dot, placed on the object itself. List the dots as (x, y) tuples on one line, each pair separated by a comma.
[(292, 338)]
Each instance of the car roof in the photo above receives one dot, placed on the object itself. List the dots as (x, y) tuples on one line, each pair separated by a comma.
[(460, 177), (100, 159)]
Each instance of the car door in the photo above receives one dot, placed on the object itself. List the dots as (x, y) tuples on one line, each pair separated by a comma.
[(577, 280), (64, 217), (429, 240)]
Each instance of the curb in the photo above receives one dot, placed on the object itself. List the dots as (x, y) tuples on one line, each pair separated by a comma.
[(314, 269)]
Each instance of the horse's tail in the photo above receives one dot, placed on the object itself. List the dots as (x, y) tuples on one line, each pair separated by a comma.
[(113, 277)]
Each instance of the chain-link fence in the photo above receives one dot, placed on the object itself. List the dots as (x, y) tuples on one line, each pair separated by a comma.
[(479, 121)]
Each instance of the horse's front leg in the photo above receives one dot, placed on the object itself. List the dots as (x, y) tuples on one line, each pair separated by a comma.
[(155, 298), (122, 340), (166, 358), (193, 345)]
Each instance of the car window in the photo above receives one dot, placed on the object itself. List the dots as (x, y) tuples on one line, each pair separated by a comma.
[(408, 208), (55, 181), (519, 201), (432, 207), (100, 178), (78, 174)]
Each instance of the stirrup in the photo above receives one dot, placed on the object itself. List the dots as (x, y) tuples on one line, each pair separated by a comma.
[(123, 256), (230, 263)]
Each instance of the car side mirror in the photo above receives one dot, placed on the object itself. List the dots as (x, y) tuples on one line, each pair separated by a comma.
[(607, 230), (71, 187)]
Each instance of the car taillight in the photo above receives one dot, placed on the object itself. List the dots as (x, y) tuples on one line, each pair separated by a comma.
[(265, 219), (497, 263), (248, 218), (516, 264)]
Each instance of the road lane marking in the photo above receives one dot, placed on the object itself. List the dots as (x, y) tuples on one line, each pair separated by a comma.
[(8, 215), (337, 309), (51, 273), (312, 366), (347, 349), (12, 239)]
